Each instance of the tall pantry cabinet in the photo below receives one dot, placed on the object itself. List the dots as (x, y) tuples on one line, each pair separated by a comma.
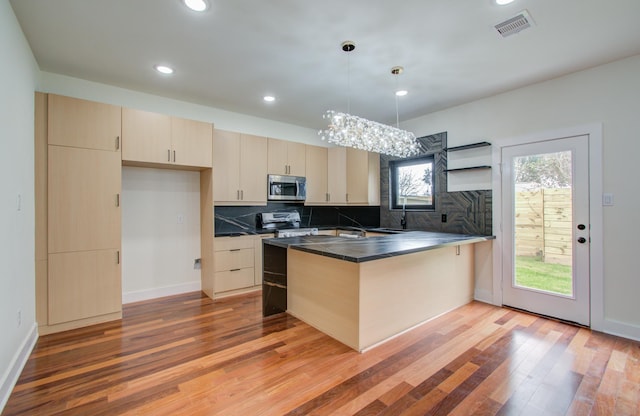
[(79, 281)]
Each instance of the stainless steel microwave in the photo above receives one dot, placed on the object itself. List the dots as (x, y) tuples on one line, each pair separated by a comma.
[(286, 188)]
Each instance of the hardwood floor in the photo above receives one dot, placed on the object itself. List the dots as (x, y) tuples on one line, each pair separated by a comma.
[(188, 355)]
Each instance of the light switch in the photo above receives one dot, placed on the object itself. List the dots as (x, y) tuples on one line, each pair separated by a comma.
[(607, 200)]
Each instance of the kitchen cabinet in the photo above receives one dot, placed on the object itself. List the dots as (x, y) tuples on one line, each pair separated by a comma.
[(73, 122), (83, 218), (83, 199), (234, 263), (286, 158), (240, 169), (341, 176), (84, 284), (337, 176), (317, 175), (165, 140)]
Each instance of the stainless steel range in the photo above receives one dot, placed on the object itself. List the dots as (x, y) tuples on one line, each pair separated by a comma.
[(284, 224)]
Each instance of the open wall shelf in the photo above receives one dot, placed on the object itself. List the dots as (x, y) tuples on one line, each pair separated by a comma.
[(468, 147)]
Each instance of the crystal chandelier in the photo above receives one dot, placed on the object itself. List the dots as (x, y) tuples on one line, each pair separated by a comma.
[(352, 131)]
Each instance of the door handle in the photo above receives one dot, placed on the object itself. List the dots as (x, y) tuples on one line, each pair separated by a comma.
[(582, 240)]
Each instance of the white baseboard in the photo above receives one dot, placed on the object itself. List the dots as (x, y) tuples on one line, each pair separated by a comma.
[(159, 292), (18, 362)]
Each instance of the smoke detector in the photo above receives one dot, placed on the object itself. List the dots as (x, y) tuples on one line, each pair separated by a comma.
[(516, 24)]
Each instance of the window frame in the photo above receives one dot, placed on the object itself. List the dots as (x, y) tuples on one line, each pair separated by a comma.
[(394, 204)]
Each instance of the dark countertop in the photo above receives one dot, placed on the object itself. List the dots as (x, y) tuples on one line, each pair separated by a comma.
[(359, 250)]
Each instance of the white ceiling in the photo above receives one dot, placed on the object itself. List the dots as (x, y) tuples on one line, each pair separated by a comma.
[(239, 50)]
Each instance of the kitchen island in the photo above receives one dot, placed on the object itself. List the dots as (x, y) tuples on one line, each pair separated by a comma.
[(365, 291)]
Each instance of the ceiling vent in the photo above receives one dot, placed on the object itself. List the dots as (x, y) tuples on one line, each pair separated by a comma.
[(516, 24)]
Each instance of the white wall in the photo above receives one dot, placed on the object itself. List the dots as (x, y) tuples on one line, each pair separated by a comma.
[(609, 94), (160, 232), (18, 81)]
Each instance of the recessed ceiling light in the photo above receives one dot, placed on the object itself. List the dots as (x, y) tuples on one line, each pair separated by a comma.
[(196, 5), (503, 2), (402, 93), (163, 69), (269, 98)]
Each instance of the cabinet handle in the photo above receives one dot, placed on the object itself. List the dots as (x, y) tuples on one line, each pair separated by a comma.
[(347, 197), (235, 270), (234, 249), (117, 142), (238, 194), (117, 200), (241, 194), (168, 155), (327, 197), (118, 257), (174, 156)]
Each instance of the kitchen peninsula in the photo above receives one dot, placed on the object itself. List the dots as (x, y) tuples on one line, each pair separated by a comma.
[(365, 291)]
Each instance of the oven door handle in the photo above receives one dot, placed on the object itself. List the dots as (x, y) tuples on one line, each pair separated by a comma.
[(274, 285)]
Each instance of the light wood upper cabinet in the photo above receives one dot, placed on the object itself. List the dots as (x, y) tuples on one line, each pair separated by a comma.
[(317, 175), (357, 176), (286, 158), (84, 188), (192, 142), (352, 176), (162, 139), (85, 124), (146, 136), (337, 175), (240, 169)]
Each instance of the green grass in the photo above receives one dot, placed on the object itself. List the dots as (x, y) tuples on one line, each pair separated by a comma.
[(533, 273)]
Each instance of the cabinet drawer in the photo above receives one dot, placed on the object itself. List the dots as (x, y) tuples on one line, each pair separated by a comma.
[(231, 280), (240, 258), (232, 243)]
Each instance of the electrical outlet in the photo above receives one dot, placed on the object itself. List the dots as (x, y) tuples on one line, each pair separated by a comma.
[(444, 217), (197, 264), (19, 202), (180, 219)]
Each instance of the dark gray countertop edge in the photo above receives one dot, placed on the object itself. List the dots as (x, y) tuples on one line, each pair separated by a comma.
[(361, 259)]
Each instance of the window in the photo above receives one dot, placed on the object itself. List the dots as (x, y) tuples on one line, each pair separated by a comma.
[(412, 183)]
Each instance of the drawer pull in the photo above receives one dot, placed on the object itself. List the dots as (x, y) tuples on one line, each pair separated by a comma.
[(235, 270), (234, 249)]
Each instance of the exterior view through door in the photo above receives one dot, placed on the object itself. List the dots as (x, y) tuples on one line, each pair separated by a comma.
[(545, 189)]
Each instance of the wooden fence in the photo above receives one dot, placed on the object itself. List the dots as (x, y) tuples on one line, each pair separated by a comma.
[(543, 224)]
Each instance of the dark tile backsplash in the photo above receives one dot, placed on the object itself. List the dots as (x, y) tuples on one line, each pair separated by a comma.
[(467, 212), (232, 219)]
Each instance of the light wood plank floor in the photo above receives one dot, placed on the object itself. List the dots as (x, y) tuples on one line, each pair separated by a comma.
[(188, 355)]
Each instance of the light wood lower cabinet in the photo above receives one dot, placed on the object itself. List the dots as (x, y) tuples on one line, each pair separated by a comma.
[(234, 263), (83, 284)]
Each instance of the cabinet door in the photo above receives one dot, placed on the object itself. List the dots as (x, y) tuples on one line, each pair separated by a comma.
[(337, 175), (86, 124), (226, 168), (253, 169), (277, 157), (192, 142), (83, 199), (357, 176), (316, 171), (146, 136), (296, 155), (83, 284)]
